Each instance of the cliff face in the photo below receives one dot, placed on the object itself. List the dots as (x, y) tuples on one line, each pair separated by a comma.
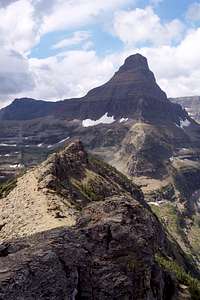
[(112, 250)]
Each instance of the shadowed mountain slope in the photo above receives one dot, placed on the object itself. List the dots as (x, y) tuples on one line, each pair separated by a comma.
[(131, 92)]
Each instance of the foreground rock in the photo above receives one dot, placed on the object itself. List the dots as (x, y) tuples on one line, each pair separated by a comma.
[(110, 254), (113, 249)]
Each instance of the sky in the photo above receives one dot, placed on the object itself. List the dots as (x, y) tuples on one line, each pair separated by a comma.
[(58, 49)]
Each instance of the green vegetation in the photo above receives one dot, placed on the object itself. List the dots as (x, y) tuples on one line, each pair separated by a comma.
[(164, 192), (7, 187), (102, 165), (87, 189), (167, 213), (172, 219), (181, 275), (175, 223), (194, 234), (106, 169)]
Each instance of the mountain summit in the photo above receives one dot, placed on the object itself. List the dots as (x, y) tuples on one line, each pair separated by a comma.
[(132, 92), (135, 77)]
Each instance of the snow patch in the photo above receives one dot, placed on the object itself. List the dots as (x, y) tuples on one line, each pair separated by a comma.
[(16, 166), (105, 119), (154, 203), (8, 145), (123, 120), (62, 141), (184, 123)]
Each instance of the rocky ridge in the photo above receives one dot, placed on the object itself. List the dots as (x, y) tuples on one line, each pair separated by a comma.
[(114, 249), (52, 194)]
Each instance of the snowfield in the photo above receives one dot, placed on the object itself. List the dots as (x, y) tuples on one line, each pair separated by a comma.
[(184, 123), (105, 119), (123, 120)]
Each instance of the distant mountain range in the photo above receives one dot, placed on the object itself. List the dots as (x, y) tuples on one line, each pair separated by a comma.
[(191, 105)]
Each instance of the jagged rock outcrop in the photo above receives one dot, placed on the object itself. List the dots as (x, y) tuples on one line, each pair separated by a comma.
[(52, 194), (110, 253)]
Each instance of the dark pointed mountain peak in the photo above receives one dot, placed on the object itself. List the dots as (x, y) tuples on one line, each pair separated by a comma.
[(137, 78), (132, 92), (132, 81), (135, 62)]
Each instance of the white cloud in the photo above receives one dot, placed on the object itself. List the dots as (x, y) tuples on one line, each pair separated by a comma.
[(177, 68), (77, 38), (17, 36), (18, 29), (70, 14), (172, 52), (193, 12), (15, 75), (69, 74), (144, 26), (24, 22), (4, 3)]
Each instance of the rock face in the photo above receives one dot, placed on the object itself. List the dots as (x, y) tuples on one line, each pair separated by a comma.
[(110, 253)]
